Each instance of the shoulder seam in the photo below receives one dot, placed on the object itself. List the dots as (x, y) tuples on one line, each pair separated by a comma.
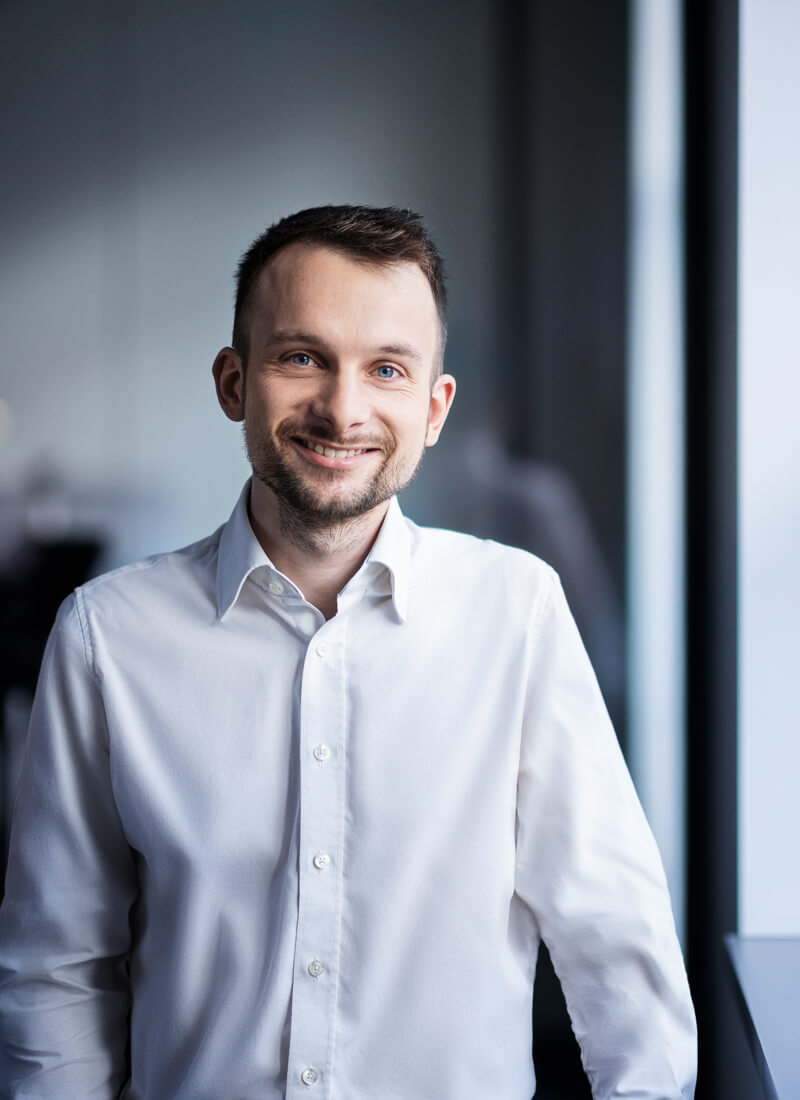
[(86, 634), (544, 601)]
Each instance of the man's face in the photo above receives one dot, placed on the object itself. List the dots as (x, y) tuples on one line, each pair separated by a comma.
[(337, 398)]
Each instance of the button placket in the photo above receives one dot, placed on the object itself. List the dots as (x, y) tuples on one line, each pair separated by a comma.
[(322, 716)]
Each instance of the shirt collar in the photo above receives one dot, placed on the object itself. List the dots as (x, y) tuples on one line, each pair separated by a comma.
[(392, 551), (240, 553)]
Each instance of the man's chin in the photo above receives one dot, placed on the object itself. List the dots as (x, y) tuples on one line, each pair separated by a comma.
[(317, 506), (320, 511)]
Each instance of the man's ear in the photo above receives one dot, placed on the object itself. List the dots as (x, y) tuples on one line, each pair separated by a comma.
[(442, 394), (228, 373)]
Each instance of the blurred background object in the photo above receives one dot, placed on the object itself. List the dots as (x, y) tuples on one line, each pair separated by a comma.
[(577, 163), (50, 553)]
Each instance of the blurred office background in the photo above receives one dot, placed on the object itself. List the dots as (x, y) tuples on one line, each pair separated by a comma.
[(613, 185)]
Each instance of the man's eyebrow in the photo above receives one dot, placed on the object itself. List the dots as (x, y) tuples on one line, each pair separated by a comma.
[(402, 351), (292, 336)]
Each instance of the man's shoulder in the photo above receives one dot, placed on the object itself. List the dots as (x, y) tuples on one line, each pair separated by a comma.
[(160, 576), (440, 541), (465, 560)]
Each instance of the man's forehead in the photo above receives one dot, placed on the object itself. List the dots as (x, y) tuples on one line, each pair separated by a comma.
[(295, 261), (313, 280)]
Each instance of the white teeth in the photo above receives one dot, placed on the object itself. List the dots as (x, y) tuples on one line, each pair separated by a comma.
[(329, 452)]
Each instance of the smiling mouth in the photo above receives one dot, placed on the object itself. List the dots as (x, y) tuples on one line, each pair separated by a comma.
[(333, 452)]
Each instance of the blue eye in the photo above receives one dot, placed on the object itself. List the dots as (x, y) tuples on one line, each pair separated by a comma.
[(385, 371), (300, 359)]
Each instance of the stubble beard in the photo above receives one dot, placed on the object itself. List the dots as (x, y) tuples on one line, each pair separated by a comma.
[(306, 510)]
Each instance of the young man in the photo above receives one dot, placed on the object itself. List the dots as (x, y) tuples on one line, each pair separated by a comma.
[(301, 800)]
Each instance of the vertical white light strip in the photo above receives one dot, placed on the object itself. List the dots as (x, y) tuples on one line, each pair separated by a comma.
[(655, 442), (769, 468)]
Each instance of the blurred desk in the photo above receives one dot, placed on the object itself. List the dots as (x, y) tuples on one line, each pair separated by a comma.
[(767, 973)]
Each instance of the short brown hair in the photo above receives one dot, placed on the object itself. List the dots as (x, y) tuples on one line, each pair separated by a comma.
[(378, 235)]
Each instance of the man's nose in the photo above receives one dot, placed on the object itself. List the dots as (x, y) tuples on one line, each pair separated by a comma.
[(342, 400)]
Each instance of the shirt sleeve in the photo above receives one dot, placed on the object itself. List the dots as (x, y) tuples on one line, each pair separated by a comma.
[(589, 870), (71, 880)]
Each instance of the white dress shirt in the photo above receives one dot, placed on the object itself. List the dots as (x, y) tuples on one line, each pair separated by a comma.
[(316, 859)]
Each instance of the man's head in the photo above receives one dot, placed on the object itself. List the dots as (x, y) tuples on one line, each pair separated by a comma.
[(371, 235), (337, 373)]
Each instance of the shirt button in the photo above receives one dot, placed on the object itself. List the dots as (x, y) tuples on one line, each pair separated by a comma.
[(321, 860), (321, 752), (322, 649), (309, 1076), (276, 588), (316, 969)]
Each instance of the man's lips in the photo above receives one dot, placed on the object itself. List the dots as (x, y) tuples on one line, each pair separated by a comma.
[(332, 457)]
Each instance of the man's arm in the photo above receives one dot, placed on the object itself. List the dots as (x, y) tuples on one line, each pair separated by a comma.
[(64, 923), (588, 867)]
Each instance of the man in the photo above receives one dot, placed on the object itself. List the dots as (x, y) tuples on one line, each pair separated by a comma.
[(301, 800)]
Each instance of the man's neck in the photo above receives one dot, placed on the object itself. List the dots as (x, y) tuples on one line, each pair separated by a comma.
[(320, 560)]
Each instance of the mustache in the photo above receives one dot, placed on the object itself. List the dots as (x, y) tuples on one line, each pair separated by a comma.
[(323, 433)]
